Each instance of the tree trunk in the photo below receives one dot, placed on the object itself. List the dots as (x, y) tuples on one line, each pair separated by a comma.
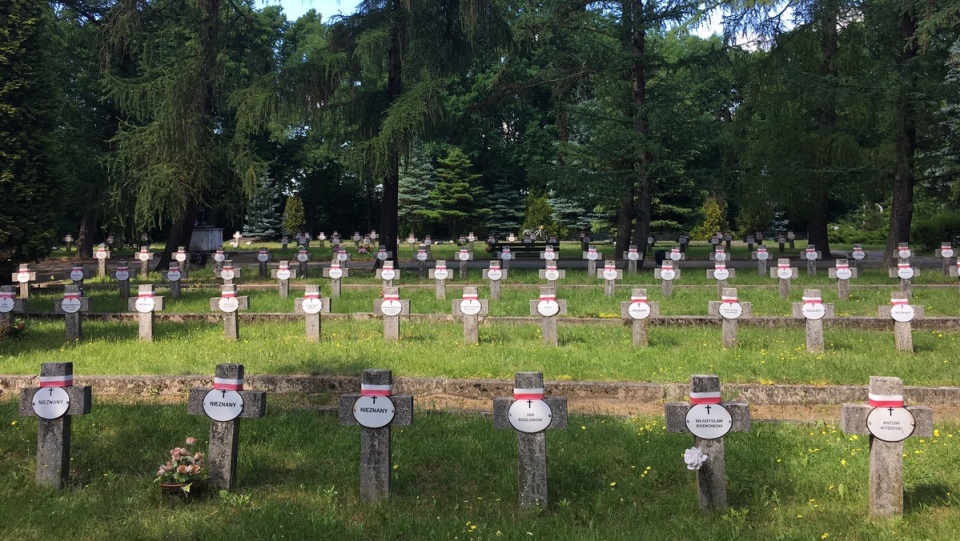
[(88, 223), (827, 120), (181, 231), (901, 211), (644, 182), (624, 217), (389, 210)]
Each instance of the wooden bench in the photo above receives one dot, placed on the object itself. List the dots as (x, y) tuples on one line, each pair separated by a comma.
[(519, 248)]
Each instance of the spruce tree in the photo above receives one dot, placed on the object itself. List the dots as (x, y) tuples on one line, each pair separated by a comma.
[(506, 209), (456, 197), (262, 220), (294, 218), (417, 181)]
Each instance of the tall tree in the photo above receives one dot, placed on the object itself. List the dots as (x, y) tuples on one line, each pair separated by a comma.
[(456, 198)]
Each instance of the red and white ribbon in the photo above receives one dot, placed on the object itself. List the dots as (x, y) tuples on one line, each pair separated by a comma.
[(123, 269), (471, 296), (71, 295), (391, 296), (903, 265), (142, 294), (899, 302), (56, 381), (812, 300), (227, 384), (642, 299), (441, 266), (369, 389), (285, 267), (811, 250), (843, 266), (710, 397), (228, 294), (528, 394), (548, 296), (592, 250), (725, 299), (7, 294), (611, 266), (720, 266), (885, 400), (783, 265), (335, 264), (311, 295)]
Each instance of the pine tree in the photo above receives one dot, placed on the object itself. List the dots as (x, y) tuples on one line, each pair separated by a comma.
[(506, 209), (418, 179), (294, 218), (456, 197), (262, 220)]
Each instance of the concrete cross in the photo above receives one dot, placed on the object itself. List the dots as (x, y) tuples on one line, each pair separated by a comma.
[(390, 307), (814, 310), (470, 308), (761, 256), (791, 237), (173, 275), (858, 254), (463, 256), (311, 305), (225, 405), (842, 273), (610, 274), (441, 275), (721, 274), (144, 256), (471, 238), (24, 276), (375, 410), (218, 258), (341, 255), (592, 256), (422, 257), (54, 402), (888, 421), (639, 311), (530, 412), (902, 313), (356, 240), (9, 304), (632, 255), (719, 255), (750, 242), (552, 273), (549, 254), (303, 256), (905, 273), (506, 256), (183, 258), (781, 240), (283, 274), (676, 255), (709, 419), (728, 240), (77, 275), (730, 309), (263, 256), (811, 255), (335, 273), (124, 274), (412, 241), (146, 306), (667, 273), (784, 273), (229, 304), (903, 251), (284, 241), (548, 307), (945, 253), (955, 270), (388, 274), (101, 254), (72, 304), (683, 241), (228, 273), (494, 274)]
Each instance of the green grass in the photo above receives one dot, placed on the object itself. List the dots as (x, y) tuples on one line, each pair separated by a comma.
[(455, 478)]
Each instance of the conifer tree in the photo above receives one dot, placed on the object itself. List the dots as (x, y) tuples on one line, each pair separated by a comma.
[(262, 220), (456, 197), (417, 182), (294, 218)]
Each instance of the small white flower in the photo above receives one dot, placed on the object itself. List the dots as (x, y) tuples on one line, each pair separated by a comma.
[(694, 458)]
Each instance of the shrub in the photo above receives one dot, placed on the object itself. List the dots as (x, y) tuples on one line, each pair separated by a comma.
[(930, 232)]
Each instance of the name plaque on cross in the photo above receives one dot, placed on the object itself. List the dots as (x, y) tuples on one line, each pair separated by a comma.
[(391, 307), (388, 273), (470, 307), (632, 255), (903, 251), (548, 307), (229, 305), (945, 252), (72, 304), (784, 273)]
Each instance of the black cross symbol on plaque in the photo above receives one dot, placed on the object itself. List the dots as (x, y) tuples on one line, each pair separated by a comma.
[(529, 403), (374, 400), (891, 411), (223, 393), (708, 409)]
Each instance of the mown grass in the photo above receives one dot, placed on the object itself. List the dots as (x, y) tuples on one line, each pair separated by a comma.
[(455, 477)]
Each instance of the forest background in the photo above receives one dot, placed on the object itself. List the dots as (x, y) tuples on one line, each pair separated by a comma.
[(840, 118)]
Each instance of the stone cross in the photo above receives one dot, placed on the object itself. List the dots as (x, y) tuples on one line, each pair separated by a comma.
[(101, 254), (762, 256), (229, 304), (225, 405), (784, 272), (955, 270), (312, 305), (750, 242), (632, 255), (412, 241), (676, 255), (9, 303), (531, 413), (335, 273), (227, 273), (667, 273), (814, 311), (422, 256), (219, 257), (791, 237), (283, 274), (68, 239), (548, 307), (858, 255), (639, 311), (173, 275), (709, 419), (471, 238), (302, 257), (592, 256), (341, 255), (945, 252), (388, 274), (383, 254), (356, 240), (719, 255), (71, 306), (390, 307), (440, 274), (505, 256), (905, 273), (552, 273), (549, 254), (888, 421), (902, 252), (781, 240), (428, 242), (23, 277), (727, 240), (123, 274), (375, 410), (144, 256), (494, 274), (902, 313), (842, 273), (54, 402), (263, 256), (146, 306), (721, 273), (730, 309), (683, 240), (183, 259), (77, 274), (284, 241), (463, 256), (470, 308), (236, 239), (610, 274), (811, 255)]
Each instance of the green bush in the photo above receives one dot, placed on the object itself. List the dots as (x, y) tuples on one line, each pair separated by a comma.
[(929, 233)]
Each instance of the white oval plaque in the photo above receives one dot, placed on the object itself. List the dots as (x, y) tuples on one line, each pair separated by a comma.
[(263, 258), (548, 308), (506, 256), (76, 275), (373, 411), (173, 276), (494, 274), (763, 256), (859, 254), (784, 273), (102, 254), (668, 274), (813, 310), (228, 304), (551, 274), (470, 307), (227, 274), (844, 274), (302, 257), (719, 256), (811, 256), (905, 273), (71, 305), (593, 256), (721, 274), (181, 257), (391, 308), (222, 405), (946, 252), (342, 256), (609, 274), (6, 305), (336, 273), (283, 274), (730, 310), (635, 256), (312, 305), (421, 256), (123, 276), (639, 310), (675, 256), (441, 274), (382, 256), (23, 277), (388, 274), (530, 416), (51, 402), (219, 257), (463, 256), (549, 256), (902, 313), (145, 305), (904, 254), (709, 421), (891, 424), (143, 256)]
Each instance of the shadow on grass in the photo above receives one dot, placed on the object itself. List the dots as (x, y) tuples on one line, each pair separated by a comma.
[(920, 497)]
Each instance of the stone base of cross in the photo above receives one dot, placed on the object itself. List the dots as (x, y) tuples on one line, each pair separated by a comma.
[(638, 311), (905, 273), (902, 313), (814, 311), (842, 273), (731, 310), (888, 422), (390, 307), (335, 272), (530, 412), (548, 307), (311, 305), (470, 308), (71, 307), (667, 273), (609, 274), (283, 273), (225, 405), (54, 402), (146, 306), (375, 410), (709, 419), (229, 304), (784, 272), (494, 274), (24, 276)]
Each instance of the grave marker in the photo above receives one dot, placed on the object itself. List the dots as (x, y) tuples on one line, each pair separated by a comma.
[(592, 256), (236, 239), (548, 308), (303, 256), (552, 273), (123, 275), (945, 252), (218, 258), (68, 239), (888, 421), (146, 305), (77, 274), (719, 255), (676, 255), (721, 274), (811, 255), (903, 251), (144, 256), (530, 412), (470, 308), (632, 255), (781, 240), (955, 270), (784, 273), (283, 274), (375, 410), (842, 273), (814, 311), (494, 274), (412, 241), (228, 273), (54, 402), (709, 419), (610, 274), (639, 311), (750, 242), (791, 237), (388, 274), (683, 241), (905, 273), (383, 254), (440, 274), (183, 259), (422, 256), (9, 304), (284, 241), (390, 307), (23, 277), (101, 254), (225, 405), (902, 313), (728, 240), (762, 256), (263, 256), (549, 254), (730, 309), (71, 306), (341, 255), (471, 238), (505, 256), (229, 304), (311, 306), (356, 240), (173, 276), (858, 255), (667, 273), (463, 256), (335, 273)]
